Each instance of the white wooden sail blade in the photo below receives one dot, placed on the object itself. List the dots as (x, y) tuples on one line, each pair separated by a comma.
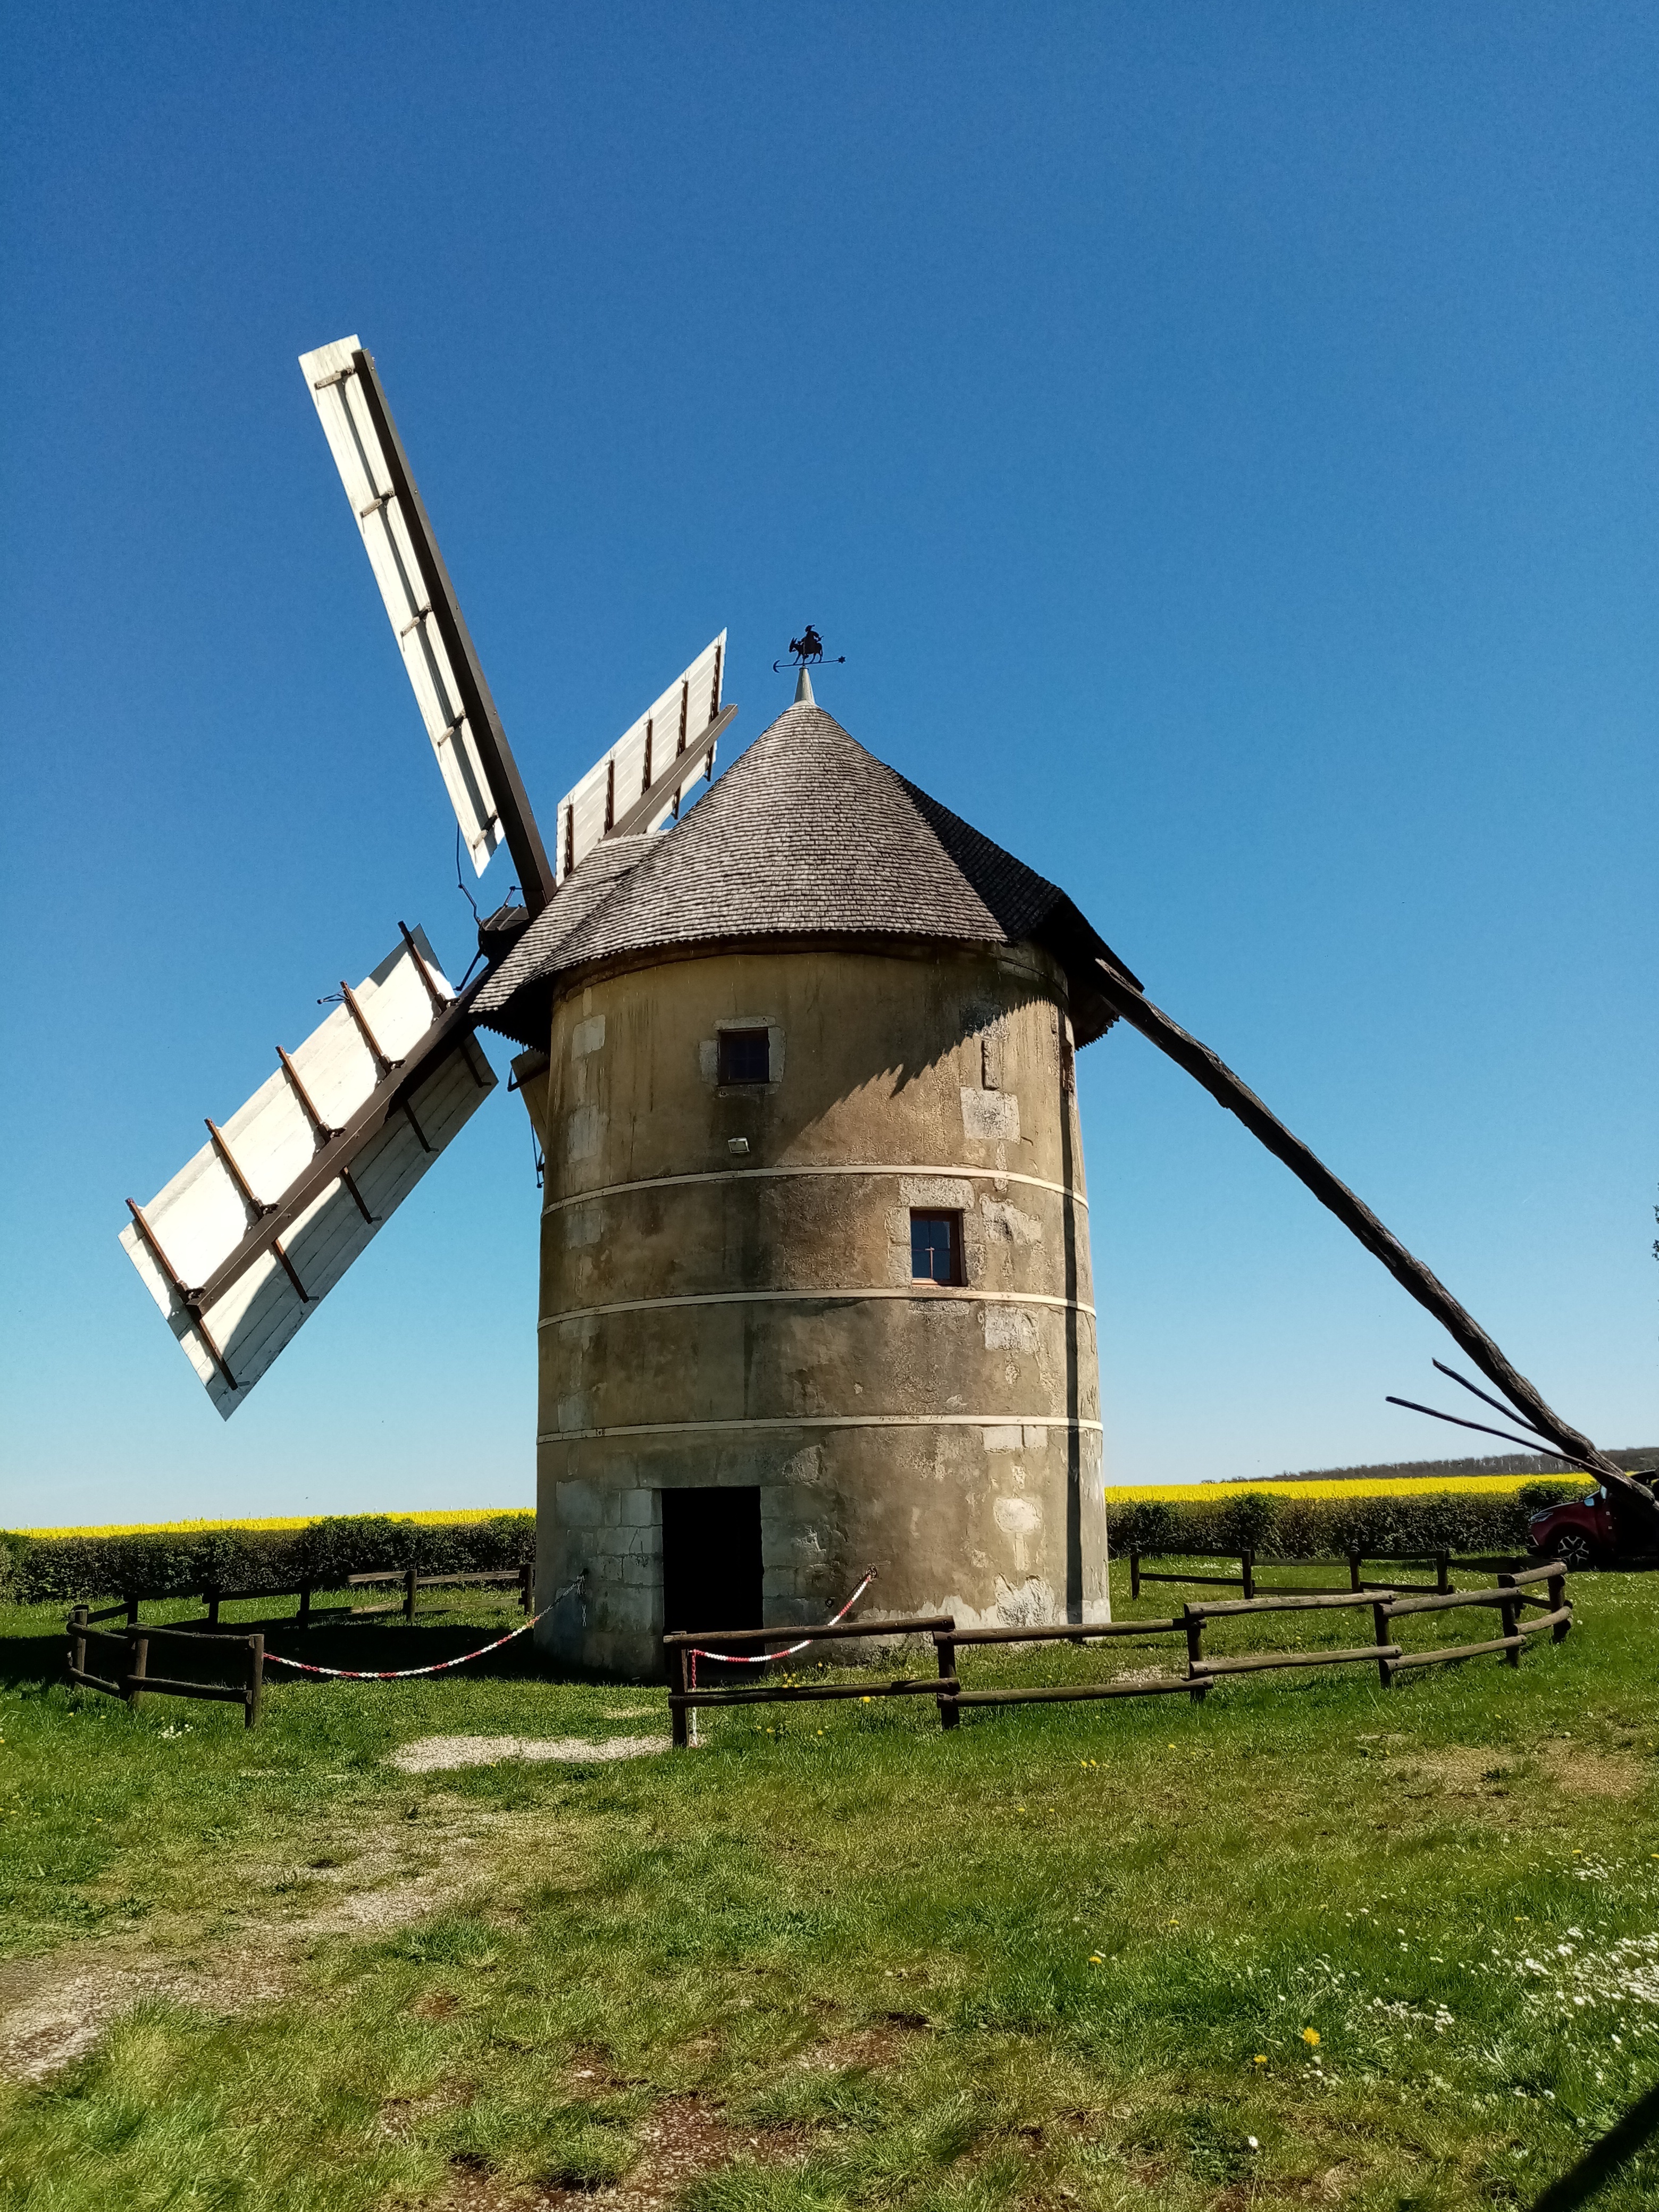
[(250, 1235), (642, 763), (413, 585)]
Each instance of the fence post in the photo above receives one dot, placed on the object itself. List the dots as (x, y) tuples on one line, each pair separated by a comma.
[(526, 1585), (949, 1713), (1247, 1566), (410, 1579), (133, 1608), (1194, 1652), (1442, 1580), (78, 1629), (1509, 1613), (1353, 1569), (1135, 1571), (677, 1681), (1557, 1587), (304, 1620), (137, 1666), (256, 1681), (212, 1597), (1380, 1619)]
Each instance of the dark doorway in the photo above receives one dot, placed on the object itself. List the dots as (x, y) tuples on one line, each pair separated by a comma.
[(711, 1559)]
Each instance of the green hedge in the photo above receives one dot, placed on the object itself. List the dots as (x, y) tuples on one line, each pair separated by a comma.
[(35, 1569), (1326, 1527)]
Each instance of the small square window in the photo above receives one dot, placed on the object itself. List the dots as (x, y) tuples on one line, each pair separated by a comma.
[(745, 1056), (935, 1248)]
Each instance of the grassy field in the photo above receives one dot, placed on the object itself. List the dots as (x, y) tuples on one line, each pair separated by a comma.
[(1310, 1944)]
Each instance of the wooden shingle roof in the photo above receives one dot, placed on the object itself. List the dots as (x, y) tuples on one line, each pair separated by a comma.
[(806, 835)]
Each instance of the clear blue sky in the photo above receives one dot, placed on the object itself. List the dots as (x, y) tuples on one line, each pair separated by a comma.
[(1221, 441)]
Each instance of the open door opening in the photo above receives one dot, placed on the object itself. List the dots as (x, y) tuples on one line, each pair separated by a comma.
[(711, 1559)]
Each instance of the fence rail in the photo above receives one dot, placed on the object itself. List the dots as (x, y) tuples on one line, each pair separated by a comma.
[(213, 1595), (523, 1579), (680, 1646), (1512, 1596), (1245, 1579), (135, 1679)]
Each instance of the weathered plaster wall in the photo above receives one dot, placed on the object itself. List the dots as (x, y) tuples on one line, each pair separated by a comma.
[(717, 1314)]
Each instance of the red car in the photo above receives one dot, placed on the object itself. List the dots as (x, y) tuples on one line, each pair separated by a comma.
[(1602, 1530)]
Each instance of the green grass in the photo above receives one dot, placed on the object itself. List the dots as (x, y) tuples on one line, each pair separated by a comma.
[(1064, 1956)]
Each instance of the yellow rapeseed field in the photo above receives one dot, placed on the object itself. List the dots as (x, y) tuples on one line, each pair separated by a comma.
[(1411, 1485), (464, 1514), (1117, 1493)]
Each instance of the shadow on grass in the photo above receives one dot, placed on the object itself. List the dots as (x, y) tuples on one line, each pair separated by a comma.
[(1603, 2159), (36, 1661)]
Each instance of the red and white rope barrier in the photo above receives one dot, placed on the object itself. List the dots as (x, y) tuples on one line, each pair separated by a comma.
[(407, 1673), (765, 1658), (398, 1673), (697, 1651)]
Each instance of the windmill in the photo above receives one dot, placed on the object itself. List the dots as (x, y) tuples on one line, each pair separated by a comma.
[(814, 1259), (243, 1244)]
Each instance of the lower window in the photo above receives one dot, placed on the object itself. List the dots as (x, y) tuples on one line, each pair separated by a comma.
[(935, 1248)]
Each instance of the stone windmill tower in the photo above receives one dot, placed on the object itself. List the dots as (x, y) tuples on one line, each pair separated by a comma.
[(815, 1284)]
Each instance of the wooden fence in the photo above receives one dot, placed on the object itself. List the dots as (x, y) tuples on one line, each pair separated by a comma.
[(523, 1579), (682, 1697), (1245, 1579), (214, 1595), (1513, 1595), (134, 1680)]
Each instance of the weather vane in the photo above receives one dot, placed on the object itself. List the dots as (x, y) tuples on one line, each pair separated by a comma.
[(808, 652)]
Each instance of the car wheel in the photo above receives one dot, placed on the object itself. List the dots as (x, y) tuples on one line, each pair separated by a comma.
[(1575, 1552)]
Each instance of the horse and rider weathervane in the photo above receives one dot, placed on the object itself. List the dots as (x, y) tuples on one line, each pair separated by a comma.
[(808, 652)]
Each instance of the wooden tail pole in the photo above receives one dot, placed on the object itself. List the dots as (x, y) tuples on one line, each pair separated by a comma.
[(255, 1695), (1134, 1571), (137, 1668), (1247, 1571), (678, 1710), (1430, 1292), (411, 1584)]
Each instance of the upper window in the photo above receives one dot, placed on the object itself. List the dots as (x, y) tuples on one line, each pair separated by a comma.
[(745, 1056), (935, 1248)]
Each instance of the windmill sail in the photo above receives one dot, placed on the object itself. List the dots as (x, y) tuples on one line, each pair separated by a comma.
[(238, 1250), (466, 731), (640, 783)]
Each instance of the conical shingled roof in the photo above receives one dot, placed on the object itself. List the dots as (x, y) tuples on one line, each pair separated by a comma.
[(808, 835)]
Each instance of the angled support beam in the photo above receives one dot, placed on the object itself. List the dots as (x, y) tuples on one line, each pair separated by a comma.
[(383, 1066), (435, 999), (320, 1129), (1430, 1292), (256, 1207), (191, 1300)]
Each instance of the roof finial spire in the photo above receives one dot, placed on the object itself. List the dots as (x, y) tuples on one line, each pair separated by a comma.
[(804, 689)]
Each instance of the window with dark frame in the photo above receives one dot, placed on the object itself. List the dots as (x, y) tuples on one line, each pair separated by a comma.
[(935, 1248), (745, 1056)]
